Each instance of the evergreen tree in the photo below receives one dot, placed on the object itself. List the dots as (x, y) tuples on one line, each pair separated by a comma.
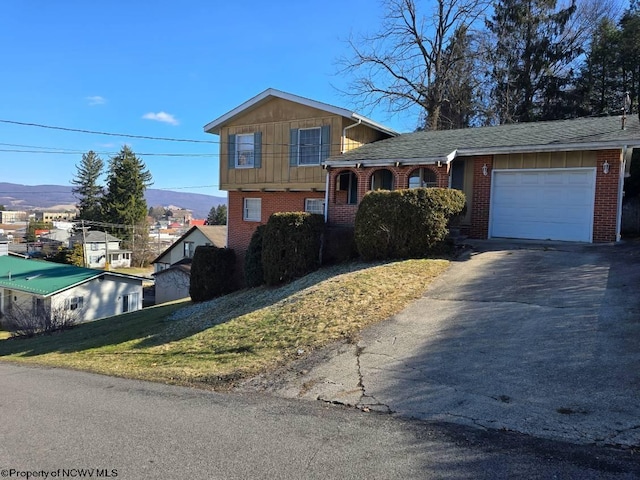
[(221, 215), (600, 78), (530, 64), (217, 215), (212, 218), (630, 54), (123, 202), (87, 190)]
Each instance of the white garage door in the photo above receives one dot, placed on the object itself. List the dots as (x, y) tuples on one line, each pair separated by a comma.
[(549, 204)]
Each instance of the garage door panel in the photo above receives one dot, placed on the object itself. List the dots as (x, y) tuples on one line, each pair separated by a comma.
[(552, 204)]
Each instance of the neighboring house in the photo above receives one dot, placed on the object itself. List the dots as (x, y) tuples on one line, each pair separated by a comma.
[(12, 216), (557, 180), (100, 249), (173, 283), (54, 216), (271, 153), (4, 245), (173, 267), (34, 287)]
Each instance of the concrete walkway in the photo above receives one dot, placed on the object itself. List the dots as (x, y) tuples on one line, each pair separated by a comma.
[(539, 339)]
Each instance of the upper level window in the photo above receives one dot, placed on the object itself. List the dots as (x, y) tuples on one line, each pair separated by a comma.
[(423, 177), (244, 151), (309, 146), (314, 205), (189, 249), (252, 211)]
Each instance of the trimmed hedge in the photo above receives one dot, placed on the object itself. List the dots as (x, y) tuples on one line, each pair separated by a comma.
[(405, 223), (291, 246), (212, 272), (253, 273)]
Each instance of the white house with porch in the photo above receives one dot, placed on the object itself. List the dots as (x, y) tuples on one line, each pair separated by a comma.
[(102, 249)]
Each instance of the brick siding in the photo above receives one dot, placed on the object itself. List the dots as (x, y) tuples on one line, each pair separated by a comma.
[(605, 212), (481, 197)]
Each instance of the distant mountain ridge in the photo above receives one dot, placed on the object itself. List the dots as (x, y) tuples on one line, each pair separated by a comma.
[(15, 196)]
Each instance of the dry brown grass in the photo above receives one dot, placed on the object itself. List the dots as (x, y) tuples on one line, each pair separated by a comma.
[(213, 343)]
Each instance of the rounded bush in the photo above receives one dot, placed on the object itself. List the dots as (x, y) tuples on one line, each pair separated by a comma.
[(404, 223)]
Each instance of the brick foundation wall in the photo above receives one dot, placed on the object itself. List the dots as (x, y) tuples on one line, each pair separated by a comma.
[(240, 231), (605, 211)]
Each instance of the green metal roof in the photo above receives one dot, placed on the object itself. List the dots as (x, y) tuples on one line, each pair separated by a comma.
[(40, 277), (444, 145)]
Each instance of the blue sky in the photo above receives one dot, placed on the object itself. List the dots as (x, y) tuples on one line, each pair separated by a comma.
[(161, 69)]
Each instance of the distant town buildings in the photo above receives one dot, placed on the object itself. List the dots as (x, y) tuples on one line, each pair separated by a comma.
[(12, 216)]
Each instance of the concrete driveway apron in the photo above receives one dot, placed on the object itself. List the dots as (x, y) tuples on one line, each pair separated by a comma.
[(539, 339)]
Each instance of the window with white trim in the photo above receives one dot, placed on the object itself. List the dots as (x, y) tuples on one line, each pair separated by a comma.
[(189, 249), (252, 211), (73, 303), (309, 146), (244, 150), (309, 143), (314, 205)]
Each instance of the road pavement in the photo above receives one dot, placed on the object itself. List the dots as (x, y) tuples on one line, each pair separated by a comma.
[(537, 338), (66, 424)]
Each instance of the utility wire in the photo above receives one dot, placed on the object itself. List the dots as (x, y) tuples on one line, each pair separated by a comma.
[(94, 132)]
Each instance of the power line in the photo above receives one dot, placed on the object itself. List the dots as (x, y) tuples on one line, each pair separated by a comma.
[(146, 154), (168, 139), (94, 132)]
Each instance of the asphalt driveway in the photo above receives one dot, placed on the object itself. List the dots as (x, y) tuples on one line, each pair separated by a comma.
[(539, 339)]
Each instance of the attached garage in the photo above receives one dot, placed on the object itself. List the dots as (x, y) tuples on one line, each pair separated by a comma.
[(543, 204)]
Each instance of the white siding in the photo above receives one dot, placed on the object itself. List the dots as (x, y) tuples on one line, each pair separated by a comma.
[(172, 285)]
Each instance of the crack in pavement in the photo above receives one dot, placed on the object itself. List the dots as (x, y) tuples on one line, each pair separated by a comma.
[(363, 395)]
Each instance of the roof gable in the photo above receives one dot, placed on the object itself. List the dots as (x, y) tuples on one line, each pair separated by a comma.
[(271, 93), (216, 234)]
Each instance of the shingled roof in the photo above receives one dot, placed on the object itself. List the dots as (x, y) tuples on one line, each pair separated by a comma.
[(595, 133)]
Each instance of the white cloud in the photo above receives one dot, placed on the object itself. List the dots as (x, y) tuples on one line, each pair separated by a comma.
[(96, 100), (161, 117)]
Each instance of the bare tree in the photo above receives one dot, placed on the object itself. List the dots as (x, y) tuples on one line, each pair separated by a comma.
[(27, 322), (409, 61)]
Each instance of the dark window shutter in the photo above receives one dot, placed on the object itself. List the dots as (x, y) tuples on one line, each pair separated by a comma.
[(231, 151), (325, 136), (293, 147), (257, 150)]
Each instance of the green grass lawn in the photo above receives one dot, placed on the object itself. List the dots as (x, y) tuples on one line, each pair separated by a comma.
[(211, 344)]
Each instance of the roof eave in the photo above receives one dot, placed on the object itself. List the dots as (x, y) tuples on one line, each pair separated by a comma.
[(554, 147)]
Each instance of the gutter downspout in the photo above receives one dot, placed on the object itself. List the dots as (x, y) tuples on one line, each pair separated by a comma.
[(344, 134), (621, 193), (326, 198)]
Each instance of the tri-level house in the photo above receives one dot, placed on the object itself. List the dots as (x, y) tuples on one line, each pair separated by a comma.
[(556, 180), (271, 152)]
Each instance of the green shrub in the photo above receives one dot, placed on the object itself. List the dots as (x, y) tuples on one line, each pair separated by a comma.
[(405, 223), (212, 272), (291, 246), (253, 274)]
